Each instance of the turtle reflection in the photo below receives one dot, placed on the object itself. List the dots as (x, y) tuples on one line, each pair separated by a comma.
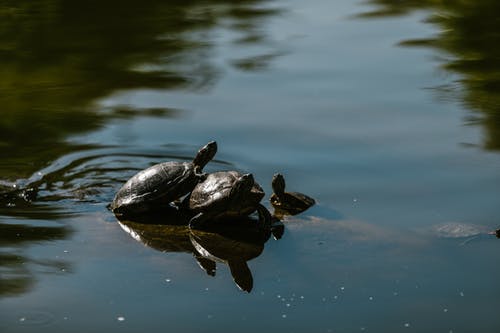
[(233, 246), (233, 243)]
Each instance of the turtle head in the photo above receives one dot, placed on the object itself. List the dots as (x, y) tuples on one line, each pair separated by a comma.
[(243, 185), (205, 154), (278, 184)]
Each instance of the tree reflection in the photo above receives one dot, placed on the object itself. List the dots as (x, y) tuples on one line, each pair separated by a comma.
[(470, 32), (59, 57)]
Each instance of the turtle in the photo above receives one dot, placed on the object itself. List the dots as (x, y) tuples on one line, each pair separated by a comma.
[(161, 183), (288, 203), (226, 195), (459, 230)]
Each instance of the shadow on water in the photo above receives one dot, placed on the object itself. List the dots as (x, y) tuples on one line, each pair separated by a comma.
[(232, 244), (470, 34)]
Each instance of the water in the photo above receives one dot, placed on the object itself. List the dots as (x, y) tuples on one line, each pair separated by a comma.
[(386, 113)]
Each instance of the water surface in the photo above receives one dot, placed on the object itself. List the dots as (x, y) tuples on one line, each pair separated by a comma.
[(386, 113)]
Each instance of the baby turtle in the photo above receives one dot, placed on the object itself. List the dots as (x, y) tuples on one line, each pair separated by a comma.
[(226, 195), (288, 203), (162, 183)]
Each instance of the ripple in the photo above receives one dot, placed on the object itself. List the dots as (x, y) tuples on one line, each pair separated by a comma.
[(36, 318), (89, 175)]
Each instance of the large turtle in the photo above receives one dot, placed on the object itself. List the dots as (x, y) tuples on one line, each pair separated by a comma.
[(161, 184), (226, 195), (288, 203)]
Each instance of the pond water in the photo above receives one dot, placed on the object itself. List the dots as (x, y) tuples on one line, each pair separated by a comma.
[(387, 113)]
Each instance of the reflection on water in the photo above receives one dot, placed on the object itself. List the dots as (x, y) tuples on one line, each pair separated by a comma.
[(228, 243), (17, 271), (75, 183), (91, 177), (470, 35), (71, 69), (56, 66)]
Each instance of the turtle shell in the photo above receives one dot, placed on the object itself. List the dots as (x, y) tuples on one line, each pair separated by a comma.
[(214, 195), (159, 184), (292, 203)]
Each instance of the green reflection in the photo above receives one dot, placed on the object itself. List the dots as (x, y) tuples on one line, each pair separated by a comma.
[(470, 33), (60, 57)]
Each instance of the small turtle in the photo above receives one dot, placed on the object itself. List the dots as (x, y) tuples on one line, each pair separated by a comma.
[(226, 195), (162, 183), (288, 203)]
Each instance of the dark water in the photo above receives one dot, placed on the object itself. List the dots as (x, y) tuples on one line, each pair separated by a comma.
[(387, 113)]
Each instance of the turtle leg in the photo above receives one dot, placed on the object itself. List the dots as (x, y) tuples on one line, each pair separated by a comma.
[(272, 222), (184, 203), (264, 215)]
